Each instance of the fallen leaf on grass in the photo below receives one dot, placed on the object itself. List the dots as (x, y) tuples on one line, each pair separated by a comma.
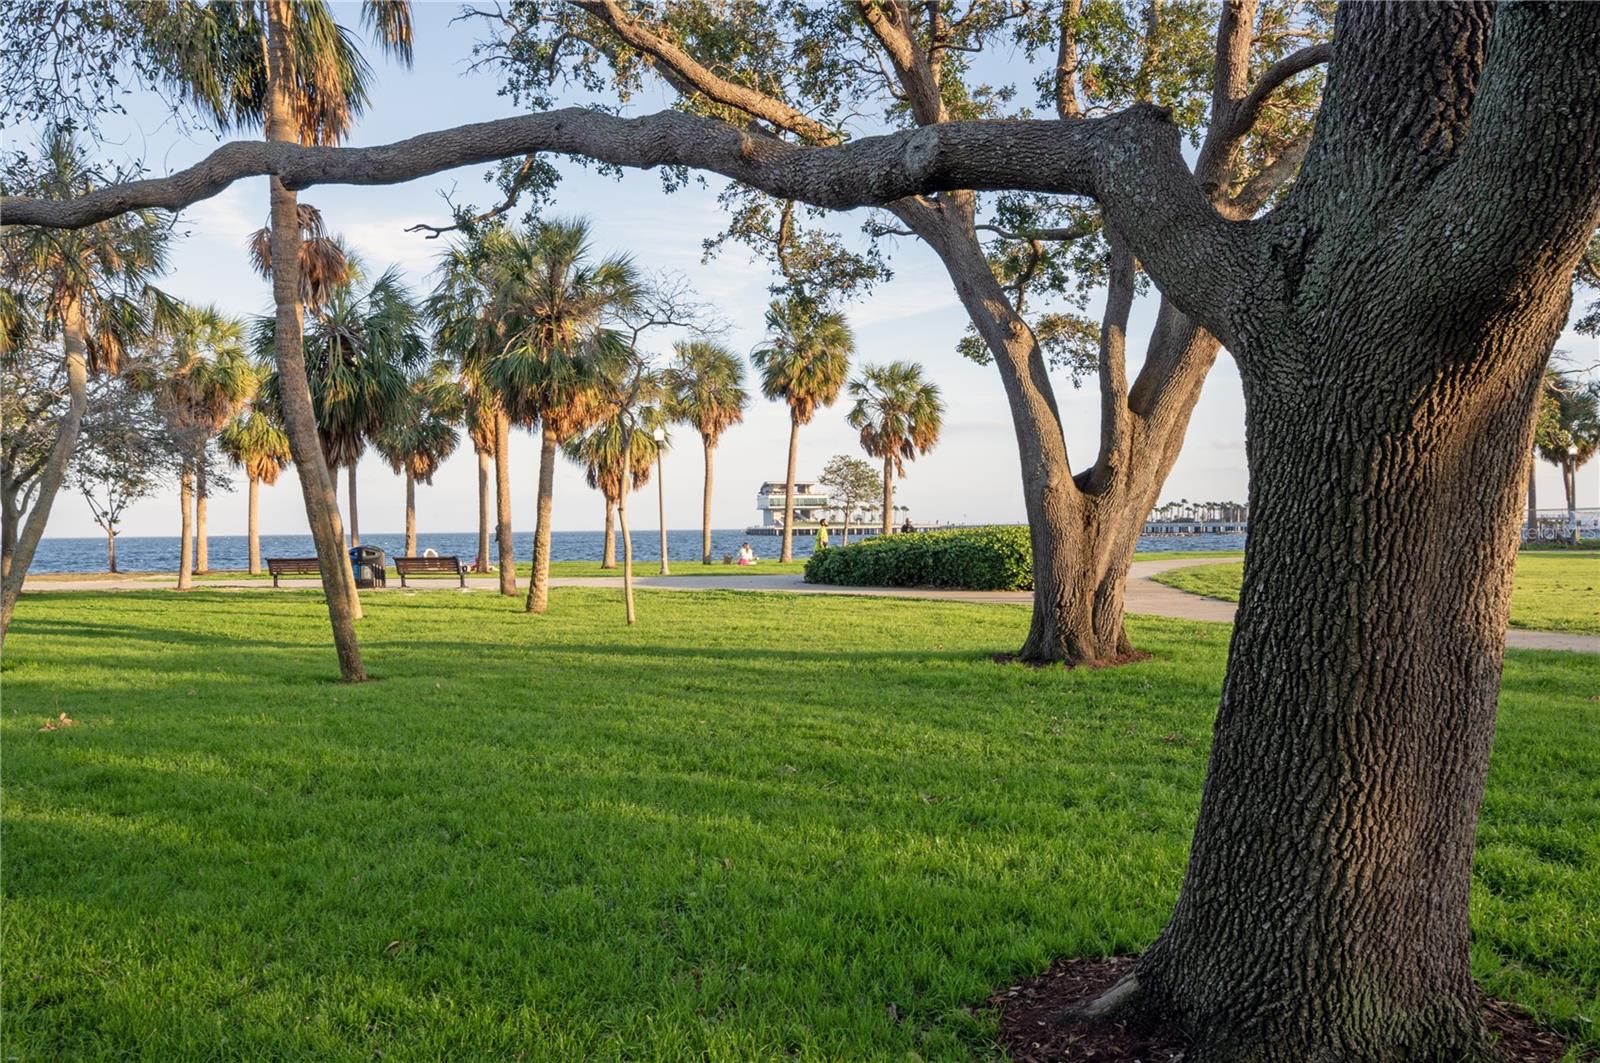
[(59, 722)]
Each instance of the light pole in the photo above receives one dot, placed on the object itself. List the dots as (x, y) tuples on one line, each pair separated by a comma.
[(660, 436)]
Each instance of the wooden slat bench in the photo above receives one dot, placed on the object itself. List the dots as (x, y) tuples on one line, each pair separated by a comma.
[(420, 566), (292, 566)]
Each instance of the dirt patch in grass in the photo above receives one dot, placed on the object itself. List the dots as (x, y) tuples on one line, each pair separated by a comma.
[(1033, 1028)]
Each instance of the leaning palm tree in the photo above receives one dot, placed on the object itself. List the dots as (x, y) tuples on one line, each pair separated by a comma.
[(804, 363), (554, 308), (421, 437), (1569, 432), (90, 285), (899, 415), (290, 68), (706, 386), (362, 348), (200, 377), (254, 443), (460, 307)]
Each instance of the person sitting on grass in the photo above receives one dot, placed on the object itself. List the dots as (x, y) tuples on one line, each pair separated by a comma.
[(747, 556)]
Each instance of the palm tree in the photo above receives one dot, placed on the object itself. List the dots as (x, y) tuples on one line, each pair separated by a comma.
[(91, 285), (361, 349), (599, 452), (254, 443), (804, 363), (464, 332), (706, 386), (554, 306), (287, 66), (899, 415), (200, 377), (418, 441), (1569, 433)]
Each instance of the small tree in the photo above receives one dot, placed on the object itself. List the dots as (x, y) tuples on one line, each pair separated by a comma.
[(1568, 433), (255, 443), (418, 441), (125, 451), (851, 482)]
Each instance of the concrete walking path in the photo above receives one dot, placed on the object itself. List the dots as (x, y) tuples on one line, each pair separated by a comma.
[(1144, 594)]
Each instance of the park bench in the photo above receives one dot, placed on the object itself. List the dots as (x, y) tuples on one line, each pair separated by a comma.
[(292, 566), (420, 566)]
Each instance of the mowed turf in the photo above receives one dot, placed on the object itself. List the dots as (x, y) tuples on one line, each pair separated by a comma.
[(1552, 592), (753, 827)]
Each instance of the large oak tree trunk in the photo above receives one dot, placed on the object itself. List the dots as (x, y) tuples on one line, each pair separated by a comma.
[(75, 353), (300, 424), (253, 525), (484, 518), (539, 587), (1401, 308), (502, 503), (186, 526), (608, 549), (705, 504), (202, 540), (788, 492), (10, 515)]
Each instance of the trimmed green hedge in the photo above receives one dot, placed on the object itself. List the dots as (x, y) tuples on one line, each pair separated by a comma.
[(996, 558)]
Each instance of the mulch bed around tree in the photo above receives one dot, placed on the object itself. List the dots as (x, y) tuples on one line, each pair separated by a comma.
[(1031, 1030)]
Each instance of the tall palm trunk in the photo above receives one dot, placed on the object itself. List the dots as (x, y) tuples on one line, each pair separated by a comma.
[(608, 549), (1569, 480), (539, 589), (705, 506), (502, 496), (1533, 493), (888, 495), (484, 518), (254, 526), (300, 422), (202, 543), (355, 516), (186, 527), (627, 541), (75, 346), (411, 514), (788, 492)]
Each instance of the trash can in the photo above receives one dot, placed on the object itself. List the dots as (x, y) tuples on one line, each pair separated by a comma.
[(367, 564)]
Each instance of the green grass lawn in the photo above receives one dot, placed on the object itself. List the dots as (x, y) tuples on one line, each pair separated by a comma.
[(753, 827), (1553, 591)]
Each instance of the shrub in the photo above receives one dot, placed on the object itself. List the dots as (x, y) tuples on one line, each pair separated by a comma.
[(998, 558)]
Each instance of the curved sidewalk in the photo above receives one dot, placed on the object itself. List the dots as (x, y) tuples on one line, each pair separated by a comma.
[(1144, 594)]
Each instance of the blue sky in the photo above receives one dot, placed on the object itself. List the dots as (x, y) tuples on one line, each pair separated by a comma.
[(972, 474)]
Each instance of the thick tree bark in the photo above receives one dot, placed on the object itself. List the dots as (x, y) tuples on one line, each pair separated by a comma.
[(355, 515), (608, 549), (788, 492), (10, 515), (1389, 409), (75, 352), (202, 541), (253, 525), (539, 587), (300, 423), (705, 504), (111, 551), (888, 500), (661, 511), (411, 515), (186, 527), (502, 503), (484, 495)]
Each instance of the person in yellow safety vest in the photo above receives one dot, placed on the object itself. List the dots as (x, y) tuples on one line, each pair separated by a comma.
[(822, 534)]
